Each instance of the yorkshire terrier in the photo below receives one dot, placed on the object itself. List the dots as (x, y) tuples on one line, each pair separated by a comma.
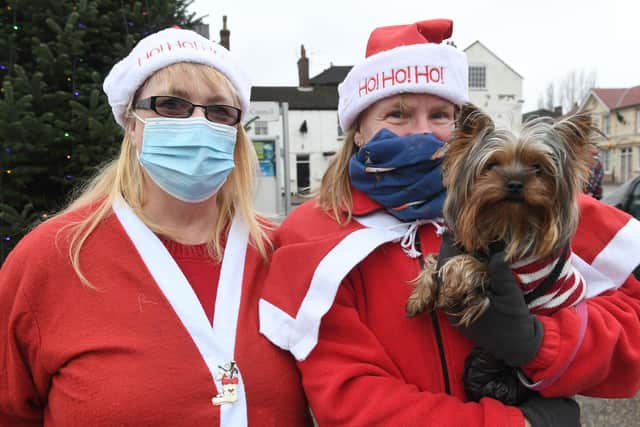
[(514, 193)]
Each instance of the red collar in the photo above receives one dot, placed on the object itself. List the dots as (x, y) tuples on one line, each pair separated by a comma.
[(363, 204)]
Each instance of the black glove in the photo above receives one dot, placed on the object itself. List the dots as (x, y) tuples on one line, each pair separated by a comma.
[(551, 412), (506, 329)]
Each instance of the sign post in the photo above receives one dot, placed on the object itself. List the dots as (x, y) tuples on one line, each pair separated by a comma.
[(284, 109)]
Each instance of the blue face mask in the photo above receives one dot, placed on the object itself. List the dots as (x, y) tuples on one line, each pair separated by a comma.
[(188, 158), (401, 173)]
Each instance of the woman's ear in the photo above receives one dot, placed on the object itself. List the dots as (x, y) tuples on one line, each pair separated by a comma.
[(133, 127), (358, 139)]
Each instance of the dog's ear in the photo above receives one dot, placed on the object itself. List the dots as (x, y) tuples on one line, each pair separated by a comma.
[(471, 121), (471, 124), (577, 133), (576, 128)]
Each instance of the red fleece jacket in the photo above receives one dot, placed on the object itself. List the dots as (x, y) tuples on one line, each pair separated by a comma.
[(118, 354), (373, 366)]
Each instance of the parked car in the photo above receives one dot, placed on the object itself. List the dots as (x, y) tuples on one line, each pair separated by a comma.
[(626, 197)]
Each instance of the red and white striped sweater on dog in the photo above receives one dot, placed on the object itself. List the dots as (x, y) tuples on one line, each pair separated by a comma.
[(567, 290)]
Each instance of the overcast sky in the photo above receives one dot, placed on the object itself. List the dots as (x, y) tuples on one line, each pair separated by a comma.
[(542, 40)]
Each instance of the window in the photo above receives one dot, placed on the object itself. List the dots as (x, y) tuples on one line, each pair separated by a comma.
[(477, 77), (303, 173), (605, 125), (605, 157), (638, 121), (261, 127), (625, 164)]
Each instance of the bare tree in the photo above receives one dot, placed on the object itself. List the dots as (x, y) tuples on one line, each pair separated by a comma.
[(550, 98), (575, 86), (572, 88)]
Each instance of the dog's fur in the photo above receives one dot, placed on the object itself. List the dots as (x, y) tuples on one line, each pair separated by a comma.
[(519, 190)]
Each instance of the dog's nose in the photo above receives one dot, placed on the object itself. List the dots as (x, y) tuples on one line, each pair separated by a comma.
[(514, 186)]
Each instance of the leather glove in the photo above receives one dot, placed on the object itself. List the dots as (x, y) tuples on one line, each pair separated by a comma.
[(551, 412), (506, 329)]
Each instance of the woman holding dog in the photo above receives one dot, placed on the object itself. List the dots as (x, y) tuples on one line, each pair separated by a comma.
[(137, 305), (339, 279)]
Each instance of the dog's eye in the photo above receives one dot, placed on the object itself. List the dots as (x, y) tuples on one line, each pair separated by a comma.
[(537, 169), (491, 166)]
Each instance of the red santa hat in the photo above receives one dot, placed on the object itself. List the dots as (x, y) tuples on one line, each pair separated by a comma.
[(405, 59), (164, 48)]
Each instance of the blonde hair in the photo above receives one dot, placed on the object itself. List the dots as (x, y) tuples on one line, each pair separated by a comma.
[(335, 189), (122, 177)]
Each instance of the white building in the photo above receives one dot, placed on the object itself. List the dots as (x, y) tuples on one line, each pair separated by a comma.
[(313, 130), (494, 86)]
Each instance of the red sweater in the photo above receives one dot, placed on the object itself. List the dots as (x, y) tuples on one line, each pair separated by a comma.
[(372, 366), (119, 355)]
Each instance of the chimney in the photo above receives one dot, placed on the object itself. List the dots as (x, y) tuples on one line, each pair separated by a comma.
[(225, 33), (303, 69)]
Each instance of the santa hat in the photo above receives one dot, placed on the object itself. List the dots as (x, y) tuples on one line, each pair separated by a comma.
[(164, 48), (405, 58)]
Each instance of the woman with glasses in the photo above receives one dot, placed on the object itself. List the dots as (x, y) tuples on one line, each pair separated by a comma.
[(137, 304)]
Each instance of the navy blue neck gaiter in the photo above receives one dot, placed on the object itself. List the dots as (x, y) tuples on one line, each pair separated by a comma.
[(399, 173)]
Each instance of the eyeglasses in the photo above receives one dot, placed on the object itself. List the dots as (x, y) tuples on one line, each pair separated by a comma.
[(171, 106)]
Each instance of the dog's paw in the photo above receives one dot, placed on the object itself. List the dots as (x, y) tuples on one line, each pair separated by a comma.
[(425, 290), (422, 295), (414, 307)]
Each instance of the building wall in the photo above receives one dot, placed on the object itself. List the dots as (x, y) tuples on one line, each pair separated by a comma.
[(620, 149), (502, 96), (319, 142)]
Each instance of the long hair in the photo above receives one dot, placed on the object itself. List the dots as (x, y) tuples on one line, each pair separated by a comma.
[(122, 177), (335, 189)]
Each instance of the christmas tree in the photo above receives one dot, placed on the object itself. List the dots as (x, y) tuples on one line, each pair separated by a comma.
[(56, 126)]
